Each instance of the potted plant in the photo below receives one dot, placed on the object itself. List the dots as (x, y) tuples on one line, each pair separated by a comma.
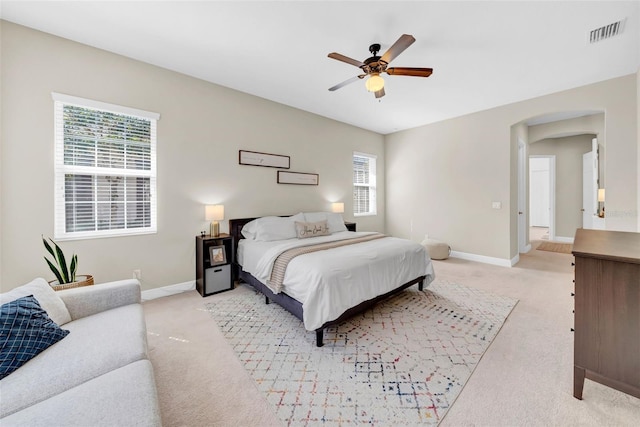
[(65, 277)]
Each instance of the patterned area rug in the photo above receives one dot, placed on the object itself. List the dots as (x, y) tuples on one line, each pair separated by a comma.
[(403, 362)]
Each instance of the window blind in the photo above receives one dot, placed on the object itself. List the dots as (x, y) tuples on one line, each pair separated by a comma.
[(364, 184), (105, 169)]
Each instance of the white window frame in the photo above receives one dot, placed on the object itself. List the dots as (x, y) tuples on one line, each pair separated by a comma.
[(373, 209), (60, 169)]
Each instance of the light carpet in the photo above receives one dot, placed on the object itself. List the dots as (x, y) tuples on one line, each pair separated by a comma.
[(403, 362), (563, 248)]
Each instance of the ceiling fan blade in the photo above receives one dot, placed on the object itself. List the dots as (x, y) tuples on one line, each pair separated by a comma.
[(407, 71), (346, 59), (346, 82), (379, 93), (398, 47)]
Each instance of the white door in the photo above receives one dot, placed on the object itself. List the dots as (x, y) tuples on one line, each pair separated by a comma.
[(539, 192)]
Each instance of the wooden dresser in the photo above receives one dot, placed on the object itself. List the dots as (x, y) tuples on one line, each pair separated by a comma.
[(607, 310)]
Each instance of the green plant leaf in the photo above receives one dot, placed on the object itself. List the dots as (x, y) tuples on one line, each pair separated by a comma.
[(73, 267), (63, 274), (55, 271), (62, 263), (46, 245)]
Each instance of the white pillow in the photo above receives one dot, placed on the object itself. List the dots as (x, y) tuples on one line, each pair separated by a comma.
[(334, 220), (270, 228), (249, 229), (46, 296)]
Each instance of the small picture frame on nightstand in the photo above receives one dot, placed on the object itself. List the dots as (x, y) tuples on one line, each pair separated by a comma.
[(217, 255)]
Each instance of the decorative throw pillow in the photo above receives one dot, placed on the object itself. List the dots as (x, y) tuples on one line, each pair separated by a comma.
[(25, 331), (334, 220), (46, 296), (311, 229)]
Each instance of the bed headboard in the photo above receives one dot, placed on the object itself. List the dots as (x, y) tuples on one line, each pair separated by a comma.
[(235, 229)]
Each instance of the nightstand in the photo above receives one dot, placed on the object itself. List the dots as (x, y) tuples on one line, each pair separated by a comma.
[(214, 256)]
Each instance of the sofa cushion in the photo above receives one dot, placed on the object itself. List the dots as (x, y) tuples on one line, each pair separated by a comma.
[(88, 300), (97, 344), (123, 397), (46, 296), (25, 331)]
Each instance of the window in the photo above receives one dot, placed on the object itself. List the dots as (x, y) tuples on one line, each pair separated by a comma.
[(105, 169), (364, 184)]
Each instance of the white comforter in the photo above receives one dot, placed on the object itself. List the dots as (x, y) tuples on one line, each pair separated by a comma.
[(329, 282)]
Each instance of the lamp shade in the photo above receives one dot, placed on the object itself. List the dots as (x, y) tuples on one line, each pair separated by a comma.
[(337, 207), (374, 83), (214, 212), (601, 194)]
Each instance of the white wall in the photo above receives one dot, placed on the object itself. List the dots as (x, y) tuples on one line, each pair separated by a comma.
[(442, 178), (201, 129)]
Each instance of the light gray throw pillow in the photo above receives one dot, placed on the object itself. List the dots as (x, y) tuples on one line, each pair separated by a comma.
[(46, 296)]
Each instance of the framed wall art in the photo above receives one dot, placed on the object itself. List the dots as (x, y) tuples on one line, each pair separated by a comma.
[(255, 158), (298, 178)]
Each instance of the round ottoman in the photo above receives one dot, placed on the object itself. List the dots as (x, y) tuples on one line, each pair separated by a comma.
[(436, 248)]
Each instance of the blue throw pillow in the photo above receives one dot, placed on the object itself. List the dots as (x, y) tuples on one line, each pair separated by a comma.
[(25, 331)]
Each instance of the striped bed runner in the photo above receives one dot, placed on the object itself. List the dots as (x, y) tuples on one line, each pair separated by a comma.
[(282, 261)]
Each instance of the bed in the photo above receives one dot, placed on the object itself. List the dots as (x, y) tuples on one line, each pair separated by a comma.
[(329, 276)]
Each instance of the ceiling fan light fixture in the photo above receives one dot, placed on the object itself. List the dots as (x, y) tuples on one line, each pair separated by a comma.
[(374, 83)]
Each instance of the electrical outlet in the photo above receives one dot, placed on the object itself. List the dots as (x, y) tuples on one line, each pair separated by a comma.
[(137, 274)]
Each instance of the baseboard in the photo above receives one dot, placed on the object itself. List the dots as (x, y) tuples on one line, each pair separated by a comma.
[(165, 291), (191, 285), (486, 259)]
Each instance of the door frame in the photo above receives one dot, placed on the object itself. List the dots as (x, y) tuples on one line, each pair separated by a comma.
[(524, 245)]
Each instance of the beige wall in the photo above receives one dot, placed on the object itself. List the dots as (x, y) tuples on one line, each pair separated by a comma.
[(591, 124), (438, 179), (442, 178), (201, 129), (568, 152)]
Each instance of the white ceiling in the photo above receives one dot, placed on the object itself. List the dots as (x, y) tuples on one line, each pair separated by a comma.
[(484, 54)]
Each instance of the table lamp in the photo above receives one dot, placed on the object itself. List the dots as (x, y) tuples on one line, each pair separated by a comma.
[(337, 207), (214, 213), (601, 202)]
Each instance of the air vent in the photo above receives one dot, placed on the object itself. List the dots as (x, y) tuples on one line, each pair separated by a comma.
[(607, 31)]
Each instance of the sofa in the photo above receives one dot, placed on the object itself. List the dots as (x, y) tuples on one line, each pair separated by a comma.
[(99, 374)]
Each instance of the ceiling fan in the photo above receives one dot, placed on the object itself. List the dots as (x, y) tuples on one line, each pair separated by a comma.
[(376, 65)]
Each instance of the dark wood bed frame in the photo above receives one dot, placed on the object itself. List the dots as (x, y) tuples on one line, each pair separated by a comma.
[(292, 305)]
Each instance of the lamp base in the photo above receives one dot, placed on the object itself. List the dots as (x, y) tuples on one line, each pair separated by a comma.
[(214, 230)]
